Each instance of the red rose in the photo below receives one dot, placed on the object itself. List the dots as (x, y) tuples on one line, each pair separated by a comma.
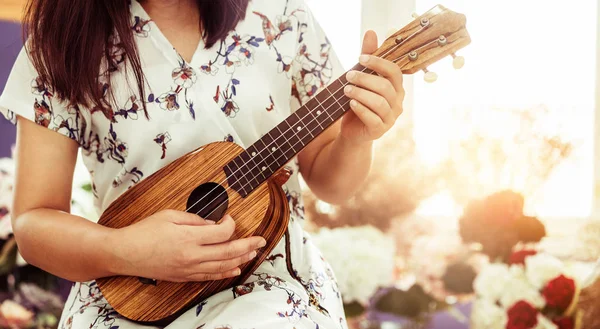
[(559, 293), (518, 257), (522, 316), (564, 323)]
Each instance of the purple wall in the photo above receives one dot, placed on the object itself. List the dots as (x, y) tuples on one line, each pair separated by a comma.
[(10, 45)]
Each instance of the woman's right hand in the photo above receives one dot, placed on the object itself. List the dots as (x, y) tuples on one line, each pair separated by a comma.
[(178, 247)]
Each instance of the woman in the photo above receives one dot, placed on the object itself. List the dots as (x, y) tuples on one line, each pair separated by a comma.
[(135, 85)]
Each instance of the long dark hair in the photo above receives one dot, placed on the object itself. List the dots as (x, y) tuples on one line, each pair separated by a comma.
[(69, 40)]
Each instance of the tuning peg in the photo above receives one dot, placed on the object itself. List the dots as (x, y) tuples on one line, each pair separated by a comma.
[(430, 77), (458, 61)]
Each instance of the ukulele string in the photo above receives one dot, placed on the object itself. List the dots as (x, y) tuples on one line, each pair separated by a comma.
[(290, 128), (222, 202), (261, 162), (265, 148), (385, 53), (255, 166), (299, 141)]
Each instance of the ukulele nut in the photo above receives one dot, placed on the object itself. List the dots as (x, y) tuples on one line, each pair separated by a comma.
[(442, 41), (424, 22), (413, 55)]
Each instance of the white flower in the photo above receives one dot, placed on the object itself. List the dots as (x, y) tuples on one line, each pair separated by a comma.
[(518, 288), (231, 62), (487, 315), (184, 76), (544, 323), (209, 68), (362, 259), (542, 268), (491, 282), (589, 240)]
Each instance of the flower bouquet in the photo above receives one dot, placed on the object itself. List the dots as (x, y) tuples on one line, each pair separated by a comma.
[(533, 291), (354, 254), (496, 225)]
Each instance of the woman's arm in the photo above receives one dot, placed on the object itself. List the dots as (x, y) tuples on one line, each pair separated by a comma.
[(47, 235), (337, 162), (76, 249)]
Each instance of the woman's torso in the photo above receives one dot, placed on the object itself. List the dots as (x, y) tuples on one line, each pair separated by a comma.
[(236, 91)]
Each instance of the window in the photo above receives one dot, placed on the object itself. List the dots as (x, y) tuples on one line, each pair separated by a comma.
[(527, 59)]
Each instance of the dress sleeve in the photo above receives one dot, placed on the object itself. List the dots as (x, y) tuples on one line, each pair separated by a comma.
[(25, 96), (316, 63)]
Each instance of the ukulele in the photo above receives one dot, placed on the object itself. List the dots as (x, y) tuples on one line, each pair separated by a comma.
[(246, 183)]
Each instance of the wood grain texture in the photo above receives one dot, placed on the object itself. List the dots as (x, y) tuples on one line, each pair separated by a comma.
[(424, 40), (264, 212)]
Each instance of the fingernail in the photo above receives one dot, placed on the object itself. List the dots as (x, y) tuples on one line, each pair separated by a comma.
[(237, 271), (252, 255), (350, 75), (363, 59), (353, 103), (262, 243), (348, 89), (210, 222)]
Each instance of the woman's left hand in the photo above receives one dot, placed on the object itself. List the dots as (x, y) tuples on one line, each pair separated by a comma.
[(376, 99)]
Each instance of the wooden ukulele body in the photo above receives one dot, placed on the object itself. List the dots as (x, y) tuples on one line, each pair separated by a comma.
[(264, 212)]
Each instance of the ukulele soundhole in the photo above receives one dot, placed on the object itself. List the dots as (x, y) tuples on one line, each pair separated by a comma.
[(209, 201)]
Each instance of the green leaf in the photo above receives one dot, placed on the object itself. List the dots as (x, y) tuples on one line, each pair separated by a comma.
[(87, 187)]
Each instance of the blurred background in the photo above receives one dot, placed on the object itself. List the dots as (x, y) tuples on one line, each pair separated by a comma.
[(484, 198)]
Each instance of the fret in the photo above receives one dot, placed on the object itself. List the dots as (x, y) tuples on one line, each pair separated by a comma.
[(322, 96), (278, 149), (302, 112), (313, 124), (343, 79), (248, 164), (240, 171), (273, 150), (302, 132), (335, 86), (282, 136), (323, 116), (340, 100), (305, 120), (317, 111), (269, 159), (357, 67), (312, 104), (233, 174), (290, 134), (329, 103), (255, 159)]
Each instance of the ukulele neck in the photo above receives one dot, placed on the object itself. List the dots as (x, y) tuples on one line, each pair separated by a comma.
[(276, 148)]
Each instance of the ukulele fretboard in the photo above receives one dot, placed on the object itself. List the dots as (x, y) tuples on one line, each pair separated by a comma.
[(276, 148)]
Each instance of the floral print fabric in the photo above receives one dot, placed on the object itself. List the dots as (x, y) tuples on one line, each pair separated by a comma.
[(274, 61)]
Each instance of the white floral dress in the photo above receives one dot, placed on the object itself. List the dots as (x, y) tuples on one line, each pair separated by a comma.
[(275, 60)]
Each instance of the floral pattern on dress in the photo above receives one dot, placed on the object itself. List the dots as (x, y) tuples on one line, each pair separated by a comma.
[(162, 140), (88, 298), (235, 51), (236, 91)]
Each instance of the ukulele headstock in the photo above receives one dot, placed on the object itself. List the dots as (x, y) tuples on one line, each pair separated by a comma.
[(430, 37)]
